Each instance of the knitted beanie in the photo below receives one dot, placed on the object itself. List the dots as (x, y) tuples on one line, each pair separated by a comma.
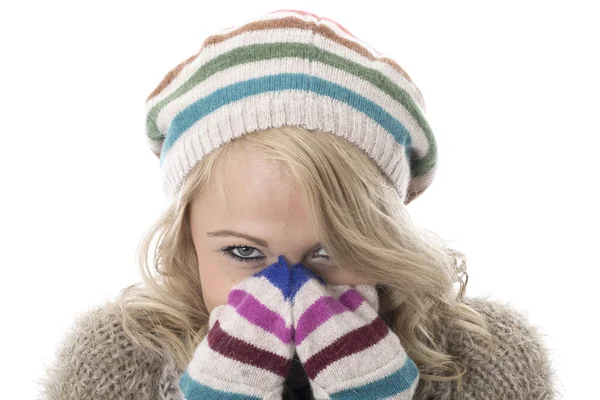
[(291, 68)]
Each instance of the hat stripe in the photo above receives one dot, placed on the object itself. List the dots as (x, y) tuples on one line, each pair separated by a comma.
[(294, 108), (315, 16), (237, 91), (257, 69), (269, 51), (331, 80), (295, 22), (291, 35), (321, 29), (279, 50), (237, 58), (335, 29)]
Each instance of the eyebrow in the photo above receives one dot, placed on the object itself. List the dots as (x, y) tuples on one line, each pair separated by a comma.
[(228, 232)]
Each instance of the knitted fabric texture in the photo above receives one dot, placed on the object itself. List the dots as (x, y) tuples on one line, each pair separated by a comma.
[(248, 350), (97, 360), (346, 349), (291, 68)]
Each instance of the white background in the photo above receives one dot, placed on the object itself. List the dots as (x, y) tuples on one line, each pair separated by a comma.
[(512, 97)]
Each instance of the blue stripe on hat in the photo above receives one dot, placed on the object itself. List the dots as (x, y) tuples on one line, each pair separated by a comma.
[(237, 91)]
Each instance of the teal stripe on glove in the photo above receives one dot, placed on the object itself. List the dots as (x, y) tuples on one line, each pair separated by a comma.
[(248, 350), (346, 349)]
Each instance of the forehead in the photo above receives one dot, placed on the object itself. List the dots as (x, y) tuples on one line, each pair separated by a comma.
[(248, 188)]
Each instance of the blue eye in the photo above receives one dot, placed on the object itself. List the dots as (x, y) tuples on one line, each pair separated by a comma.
[(229, 252), (245, 252)]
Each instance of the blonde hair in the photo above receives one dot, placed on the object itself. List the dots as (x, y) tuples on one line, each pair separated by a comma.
[(359, 218)]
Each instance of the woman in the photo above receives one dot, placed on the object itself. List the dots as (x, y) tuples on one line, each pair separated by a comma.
[(287, 262)]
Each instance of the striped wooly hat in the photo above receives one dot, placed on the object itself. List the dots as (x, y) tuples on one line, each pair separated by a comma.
[(291, 67)]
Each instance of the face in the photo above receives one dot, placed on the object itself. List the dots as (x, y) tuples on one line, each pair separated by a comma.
[(264, 218)]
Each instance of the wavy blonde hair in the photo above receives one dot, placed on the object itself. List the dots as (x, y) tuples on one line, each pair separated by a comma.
[(359, 218)]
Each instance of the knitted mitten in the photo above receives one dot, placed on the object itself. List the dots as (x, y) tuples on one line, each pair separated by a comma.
[(248, 350), (346, 349)]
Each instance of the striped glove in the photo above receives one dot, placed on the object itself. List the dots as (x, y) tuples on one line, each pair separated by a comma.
[(248, 350), (346, 349)]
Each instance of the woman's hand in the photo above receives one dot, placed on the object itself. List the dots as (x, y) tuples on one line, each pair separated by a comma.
[(346, 349), (248, 350)]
